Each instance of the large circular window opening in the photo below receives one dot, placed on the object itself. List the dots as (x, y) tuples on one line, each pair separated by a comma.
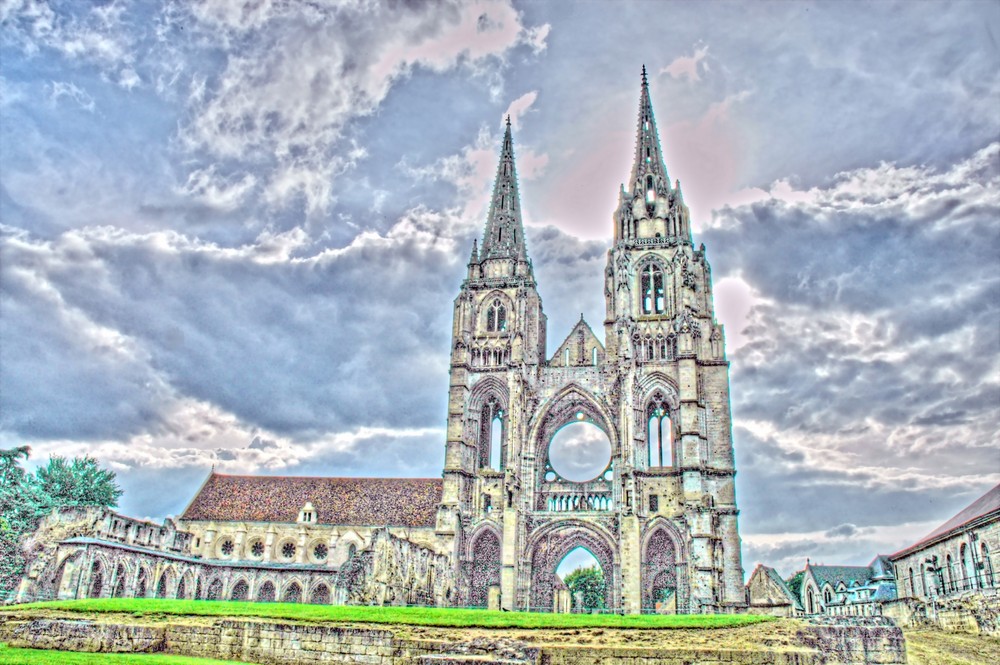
[(579, 452)]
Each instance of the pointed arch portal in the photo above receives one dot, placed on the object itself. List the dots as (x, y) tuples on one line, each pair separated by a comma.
[(550, 548)]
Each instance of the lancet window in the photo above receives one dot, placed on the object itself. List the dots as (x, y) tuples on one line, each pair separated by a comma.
[(496, 317), (492, 448), (659, 433), (652, 291)]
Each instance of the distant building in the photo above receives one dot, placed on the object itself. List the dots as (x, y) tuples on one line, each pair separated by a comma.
[(768, 593), (848, 590), (958, 557)]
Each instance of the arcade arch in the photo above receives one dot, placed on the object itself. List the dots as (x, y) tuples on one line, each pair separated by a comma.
[(550, 545)]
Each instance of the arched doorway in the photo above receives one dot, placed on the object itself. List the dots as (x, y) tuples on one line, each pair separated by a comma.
[(550, 546), (485, 567), (120, 575), (581, 572)]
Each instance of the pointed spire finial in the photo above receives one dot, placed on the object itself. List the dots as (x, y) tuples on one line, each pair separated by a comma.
[(504, 235), (648, 166), (475, 252)]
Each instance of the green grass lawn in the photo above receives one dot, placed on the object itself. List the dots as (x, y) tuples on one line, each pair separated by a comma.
[(12, 656), (416, 616)]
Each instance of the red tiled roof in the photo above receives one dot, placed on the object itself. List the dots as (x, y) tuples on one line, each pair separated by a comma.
[(350, 501), (984, 505)]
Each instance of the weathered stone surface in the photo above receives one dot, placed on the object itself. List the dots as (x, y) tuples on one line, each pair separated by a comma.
[(845, 641), (65, 635)]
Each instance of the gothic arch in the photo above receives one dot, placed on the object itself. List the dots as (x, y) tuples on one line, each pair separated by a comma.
[(142, 582), (484, 555), (502, 321), (186, 586), (95, 585), (562, 408), (267, 591), (663, 565), (548, 546), (648, 384), (240, 590), (320, 594), (292, 591), (488, 402), (164, 585), (123, 571)]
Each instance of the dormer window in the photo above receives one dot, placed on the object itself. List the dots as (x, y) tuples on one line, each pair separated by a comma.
[(308, 514)]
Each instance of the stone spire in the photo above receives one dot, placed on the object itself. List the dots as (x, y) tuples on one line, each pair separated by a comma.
[(504, 236), (648, 158)]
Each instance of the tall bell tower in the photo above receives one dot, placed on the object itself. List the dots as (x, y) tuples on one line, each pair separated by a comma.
[(498, 345), (667, 354)]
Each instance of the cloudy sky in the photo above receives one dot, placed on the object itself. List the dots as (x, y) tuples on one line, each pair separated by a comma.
[(232, 232)]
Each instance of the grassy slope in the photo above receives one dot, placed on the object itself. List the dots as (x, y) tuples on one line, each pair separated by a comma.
[(12, 656), (935, 647), (415, 616)]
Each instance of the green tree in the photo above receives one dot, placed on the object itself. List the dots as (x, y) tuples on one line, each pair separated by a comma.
[(590, 582), (76, 482), (795, 583), (26, 498)]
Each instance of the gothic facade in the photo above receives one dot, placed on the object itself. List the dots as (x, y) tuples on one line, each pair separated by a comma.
[(660, 517)]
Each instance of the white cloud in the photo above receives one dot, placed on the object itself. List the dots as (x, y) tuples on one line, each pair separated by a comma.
[(224, 192), (74, 93), (687, 67), (519, 107), (305, 72)]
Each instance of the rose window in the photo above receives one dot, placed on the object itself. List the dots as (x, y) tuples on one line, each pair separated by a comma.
[(227, 547), (257, 549), (288, 550), (320, 552)]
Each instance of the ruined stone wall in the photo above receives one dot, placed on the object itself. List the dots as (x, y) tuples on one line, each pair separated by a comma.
[(266, 642), (47, 562), (977, 613), (394, 571)]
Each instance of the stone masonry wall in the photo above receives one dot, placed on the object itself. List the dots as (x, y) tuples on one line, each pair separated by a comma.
[(869, 640)]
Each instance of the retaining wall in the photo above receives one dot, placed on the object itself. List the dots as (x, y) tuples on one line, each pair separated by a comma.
[(857, 640)]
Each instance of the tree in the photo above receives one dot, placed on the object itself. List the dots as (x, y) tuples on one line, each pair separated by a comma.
[(26, 498), (77, 482), (590, 583), (795, 583)]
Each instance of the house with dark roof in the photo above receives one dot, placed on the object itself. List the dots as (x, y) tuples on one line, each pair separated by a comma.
[(848, 590), (959, 557)]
